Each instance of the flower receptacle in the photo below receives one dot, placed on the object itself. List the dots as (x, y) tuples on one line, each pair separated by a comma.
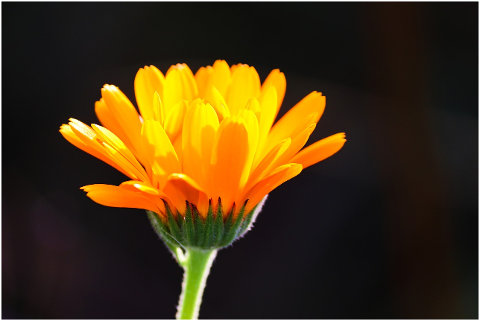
[(189, 230)]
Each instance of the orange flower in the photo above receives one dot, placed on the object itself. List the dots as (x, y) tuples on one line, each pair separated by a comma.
[(200, 138)]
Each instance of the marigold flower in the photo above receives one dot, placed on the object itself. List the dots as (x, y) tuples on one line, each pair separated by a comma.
[(200, 139), (201, 156)]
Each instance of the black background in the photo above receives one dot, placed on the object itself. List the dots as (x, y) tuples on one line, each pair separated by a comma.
[(386, 228)]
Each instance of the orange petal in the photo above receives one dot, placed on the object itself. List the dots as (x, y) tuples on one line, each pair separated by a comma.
[(88, 136), (201, 77), (180, 188), (198, 135), (272, 155), (297, 144), (116, 196), (148, 81), (125, 115), (313, 103), (70, 135), (229, 160), (128, 161), (269, 183), (320, 150), (276, 78), (268, 106)]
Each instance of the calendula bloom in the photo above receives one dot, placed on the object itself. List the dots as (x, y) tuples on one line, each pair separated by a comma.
[(200, 140)]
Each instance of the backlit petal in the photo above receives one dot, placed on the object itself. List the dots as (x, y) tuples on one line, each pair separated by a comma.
[(125, 115), (148, 81), (159, 152), (245, 84), (320, 150), (229, 160), (276, 78), (198, 135), (269, 183), (313, 103)]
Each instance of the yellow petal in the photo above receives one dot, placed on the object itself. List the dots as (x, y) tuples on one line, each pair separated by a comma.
[(229, 160), (148, 81), (245, 84), (201, 78), (179, 85), (320, 150), (219, 77), (174, 120), (198, 135), (159, 152), (116, 196), (269, 183), (218, 103), (313, 103), (180, 188), (277, 80)]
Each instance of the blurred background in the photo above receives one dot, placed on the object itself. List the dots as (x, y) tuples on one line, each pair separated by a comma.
[(386, 228)]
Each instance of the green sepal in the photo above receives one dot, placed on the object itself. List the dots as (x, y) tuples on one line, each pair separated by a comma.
[(189, 226), (234, 230), (173, 226), (199, 228), (162, 231), (189, 230), (218, 225), (227, 226), (208, 241)]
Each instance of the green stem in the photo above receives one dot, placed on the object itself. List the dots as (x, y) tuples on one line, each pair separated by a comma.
[(197, 265)]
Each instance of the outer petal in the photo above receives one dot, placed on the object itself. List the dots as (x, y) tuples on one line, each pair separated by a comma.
[(88, 146), (125, 115), (148, 81), (125, 156), (269, 183), (320, 150), (180, 188), (297, 144), (116, 196), (271, 156), (314, 102)]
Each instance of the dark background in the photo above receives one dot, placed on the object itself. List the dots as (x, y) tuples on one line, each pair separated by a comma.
[(387, 228)]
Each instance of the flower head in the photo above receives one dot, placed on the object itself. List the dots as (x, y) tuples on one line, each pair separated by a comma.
[(200, 140)]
